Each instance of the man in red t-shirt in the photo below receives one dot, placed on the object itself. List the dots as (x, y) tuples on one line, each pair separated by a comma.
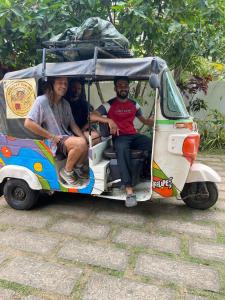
[(120, 113)]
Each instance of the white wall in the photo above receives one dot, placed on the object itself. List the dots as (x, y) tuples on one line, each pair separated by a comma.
[(215, 97)]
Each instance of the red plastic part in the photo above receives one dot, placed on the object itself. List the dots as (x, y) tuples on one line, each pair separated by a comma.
[(190, 147)]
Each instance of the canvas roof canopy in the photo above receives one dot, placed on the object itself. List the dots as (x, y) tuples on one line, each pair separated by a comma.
[(99, 69)]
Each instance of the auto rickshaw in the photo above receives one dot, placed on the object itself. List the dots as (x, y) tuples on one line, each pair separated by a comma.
[(28, 165)]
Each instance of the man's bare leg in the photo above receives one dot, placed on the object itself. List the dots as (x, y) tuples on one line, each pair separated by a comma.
[(77, 149), (83, 158), (129, 190)]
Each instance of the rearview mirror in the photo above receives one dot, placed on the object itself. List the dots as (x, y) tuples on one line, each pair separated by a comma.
[(154, 66), (154, 81)]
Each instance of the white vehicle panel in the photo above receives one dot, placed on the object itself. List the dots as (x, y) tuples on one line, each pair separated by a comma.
[(19, 172)]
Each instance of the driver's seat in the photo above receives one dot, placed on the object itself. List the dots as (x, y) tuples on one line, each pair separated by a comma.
[(110, 153)]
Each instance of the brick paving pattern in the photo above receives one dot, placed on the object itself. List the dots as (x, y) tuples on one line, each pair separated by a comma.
[(76, 247)]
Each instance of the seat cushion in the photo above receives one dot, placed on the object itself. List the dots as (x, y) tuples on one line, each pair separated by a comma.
[(111, 153)]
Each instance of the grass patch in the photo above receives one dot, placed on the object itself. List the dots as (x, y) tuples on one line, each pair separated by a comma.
[(184, 247), (150, 280), (200, 261), (16, 287), (209, 295), (122, 246), (221, 238), (79, 287), (4, 227), (115, 273)]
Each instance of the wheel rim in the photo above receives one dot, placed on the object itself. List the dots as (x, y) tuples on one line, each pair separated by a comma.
[(19, 194)]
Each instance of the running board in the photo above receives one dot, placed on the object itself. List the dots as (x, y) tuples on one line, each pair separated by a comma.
[(142, 190)]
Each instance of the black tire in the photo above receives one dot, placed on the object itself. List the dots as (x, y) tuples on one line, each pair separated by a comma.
[(200, 201), (1, 189), (19, 195)]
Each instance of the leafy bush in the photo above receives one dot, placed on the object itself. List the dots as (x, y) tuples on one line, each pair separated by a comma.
[(212, 131), (196, 105)]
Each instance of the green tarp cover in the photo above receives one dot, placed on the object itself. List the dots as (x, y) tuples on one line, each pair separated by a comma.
[(93, 29)]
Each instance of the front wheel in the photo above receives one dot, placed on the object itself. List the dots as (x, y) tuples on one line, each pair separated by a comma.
[(19, 195), (200, 195)]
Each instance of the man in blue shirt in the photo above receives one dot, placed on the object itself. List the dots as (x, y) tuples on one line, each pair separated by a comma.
[(80, 107)]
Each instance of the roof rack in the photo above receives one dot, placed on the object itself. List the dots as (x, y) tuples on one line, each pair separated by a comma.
[(83, 50)]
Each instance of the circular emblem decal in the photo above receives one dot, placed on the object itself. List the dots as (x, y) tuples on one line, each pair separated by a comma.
[(20, 96)]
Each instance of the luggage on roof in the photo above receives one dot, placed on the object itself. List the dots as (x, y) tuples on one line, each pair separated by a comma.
[(93, 32)]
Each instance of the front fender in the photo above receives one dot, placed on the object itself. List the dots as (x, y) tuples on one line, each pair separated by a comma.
[(200, 172), (19, 172)]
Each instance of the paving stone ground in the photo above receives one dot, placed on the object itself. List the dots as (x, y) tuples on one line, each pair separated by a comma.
[(76, 247)]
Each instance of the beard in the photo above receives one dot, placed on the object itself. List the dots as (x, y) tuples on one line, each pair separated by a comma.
[(76, 95), (122, 95)]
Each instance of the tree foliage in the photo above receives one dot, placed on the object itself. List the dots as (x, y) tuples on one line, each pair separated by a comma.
[(180, 31)]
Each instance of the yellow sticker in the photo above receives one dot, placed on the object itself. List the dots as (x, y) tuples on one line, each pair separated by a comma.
[(19, 95)]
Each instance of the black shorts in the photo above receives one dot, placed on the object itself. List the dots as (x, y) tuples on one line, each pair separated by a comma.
[(61, 148)]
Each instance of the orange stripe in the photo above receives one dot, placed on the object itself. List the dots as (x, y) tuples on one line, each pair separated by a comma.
[(46, 147), (72, 190)]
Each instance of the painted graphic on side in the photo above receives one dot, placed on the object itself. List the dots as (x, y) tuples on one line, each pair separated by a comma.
[(162, 184), (37, 157)]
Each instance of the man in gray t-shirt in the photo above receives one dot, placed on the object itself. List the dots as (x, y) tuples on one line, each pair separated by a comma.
[(51, 118)]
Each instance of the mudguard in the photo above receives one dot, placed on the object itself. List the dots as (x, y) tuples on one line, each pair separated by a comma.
[(200, 173), (19, 172)]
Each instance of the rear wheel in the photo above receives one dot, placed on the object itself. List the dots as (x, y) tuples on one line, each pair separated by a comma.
[(19, 195), (200, 195)]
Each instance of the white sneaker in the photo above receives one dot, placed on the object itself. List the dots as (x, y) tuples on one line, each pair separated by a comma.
[(131, 200), (69, 177), (82, 172)]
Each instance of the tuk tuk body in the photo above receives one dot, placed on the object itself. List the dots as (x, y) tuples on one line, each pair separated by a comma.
[(28, 164)]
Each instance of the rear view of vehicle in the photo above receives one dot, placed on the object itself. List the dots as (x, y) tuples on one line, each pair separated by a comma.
[(176, 143)]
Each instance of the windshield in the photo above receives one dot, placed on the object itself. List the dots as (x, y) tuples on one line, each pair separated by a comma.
[(172, 102)]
